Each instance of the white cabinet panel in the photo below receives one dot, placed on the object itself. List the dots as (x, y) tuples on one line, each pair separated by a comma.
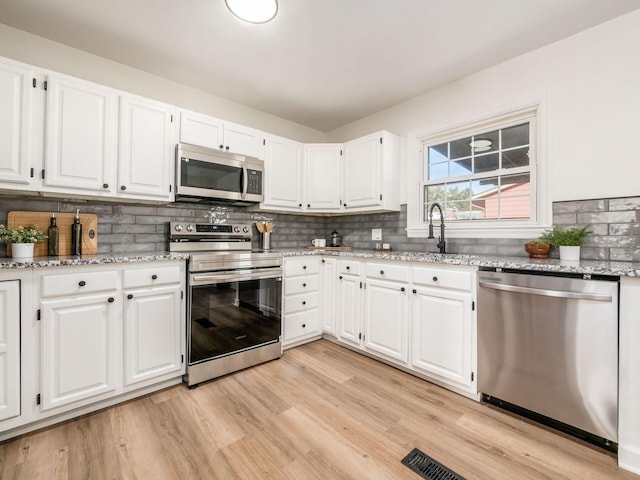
[(243, 140), (362, 172), (283, 174), (16, 99), (323, 177), (152, 333), (9, 349), (328, 276), (146, 148), (79, 349), (81, 135), (201, 130), (348, 309)]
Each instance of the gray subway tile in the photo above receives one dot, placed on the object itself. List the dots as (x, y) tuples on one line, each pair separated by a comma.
[(629, 203), (580, 206), (607, 217)]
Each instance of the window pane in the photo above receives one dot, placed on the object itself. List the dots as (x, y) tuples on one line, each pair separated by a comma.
[(515, 184), (432, 194), (438, 153), (438, 171), (457, 211), (486, 142), (478, 210), (461, 148), (515, 136), (515, 158), (515, 196), (458, 191), (486, 198), (486, 163), (460, 167), (515, 207)]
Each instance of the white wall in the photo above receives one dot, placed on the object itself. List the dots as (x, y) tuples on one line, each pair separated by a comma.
[(41, 52), (592, 83)]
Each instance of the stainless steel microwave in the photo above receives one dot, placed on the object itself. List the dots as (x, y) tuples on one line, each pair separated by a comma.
[(204, 174)]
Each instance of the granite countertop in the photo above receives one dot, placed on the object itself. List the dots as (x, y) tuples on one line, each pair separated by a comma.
[(69, 260), (593, 267)]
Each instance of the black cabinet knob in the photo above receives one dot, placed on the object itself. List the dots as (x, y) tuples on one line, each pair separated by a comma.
[(304, 325), (82, 283), (304, 284), (299, 204), (381, 272), (348, 267), (435, 279), (345, 205), (402, 289), (154, 277), (227, 147), (308, 205), (415, 291), (123, 187), (105, 185), (304, 267), (111, 300), (221, 147), (304, 302), (323, 260), (340, 277), (130, 296)]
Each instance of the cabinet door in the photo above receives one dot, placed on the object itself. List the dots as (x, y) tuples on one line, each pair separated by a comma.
[(386, 319), (81, 135), (80, 338), (328, 275), (243, 140), (362, 172), (283, 173), (301, 325), (323, 174), (442, 334), (201, 130), (348, 309), (9, 349), (16, 98), (152, 327), (146, 147)]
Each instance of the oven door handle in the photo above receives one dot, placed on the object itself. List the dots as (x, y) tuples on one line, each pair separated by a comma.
[(198, 279)]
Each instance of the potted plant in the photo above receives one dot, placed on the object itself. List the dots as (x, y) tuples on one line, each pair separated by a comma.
[(568, 240), (21, 239), (537, 248)]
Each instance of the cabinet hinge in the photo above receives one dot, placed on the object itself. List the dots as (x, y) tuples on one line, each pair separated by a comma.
[(38, 399), (340, 152), (32, 172), (169, 188), (360, 284), (39, 317), (360, 336), (172, 118), (264, 141), (34, 83), (181, 358), (44, 84), (181, 294), (473, 306), (380, 196), (380, 140), (472, 376), (42, 174), (340, 202)]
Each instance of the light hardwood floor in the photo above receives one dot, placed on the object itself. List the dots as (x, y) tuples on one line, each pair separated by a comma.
[(321, 412)]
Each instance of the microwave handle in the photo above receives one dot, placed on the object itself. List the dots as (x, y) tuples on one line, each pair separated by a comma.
[(245, 181)]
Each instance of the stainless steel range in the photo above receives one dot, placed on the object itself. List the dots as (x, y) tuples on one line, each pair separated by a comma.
[(234, 301)]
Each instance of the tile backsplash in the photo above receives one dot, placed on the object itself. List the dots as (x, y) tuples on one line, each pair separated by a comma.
[(124, 228)]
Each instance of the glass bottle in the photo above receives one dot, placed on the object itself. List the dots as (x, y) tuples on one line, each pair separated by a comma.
[(53, 234)]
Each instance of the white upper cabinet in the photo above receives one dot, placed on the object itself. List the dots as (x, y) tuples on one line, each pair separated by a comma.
[(205, 131), (372, 172), (16, 98), (323, 177), (146, 148), (81, 135), (283, 174)]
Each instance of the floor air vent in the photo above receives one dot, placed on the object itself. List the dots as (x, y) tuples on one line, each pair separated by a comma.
[(427, 467)]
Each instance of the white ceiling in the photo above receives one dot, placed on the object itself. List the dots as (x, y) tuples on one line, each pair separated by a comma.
[(320, 63)]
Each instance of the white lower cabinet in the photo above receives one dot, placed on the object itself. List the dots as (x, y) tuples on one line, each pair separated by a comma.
[(328, 272), (9, 349), (349, 303), (301, 306), (80, 338)]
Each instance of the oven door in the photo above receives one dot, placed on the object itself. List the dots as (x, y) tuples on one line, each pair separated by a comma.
[(233, 311)]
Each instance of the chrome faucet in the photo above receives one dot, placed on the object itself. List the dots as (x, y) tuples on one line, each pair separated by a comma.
[(442, 245)]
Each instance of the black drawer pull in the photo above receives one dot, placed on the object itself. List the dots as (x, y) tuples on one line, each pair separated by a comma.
[(82, 283), (130, 296), (402, 289), (348, 267), (304, 267), (435, 279), (304, 325), (105, 185), (304, 302), (154, 277), (304, 284), (381, 272), (221, 146), (111, 300), (340, 277), (123, 187), (415, 291)]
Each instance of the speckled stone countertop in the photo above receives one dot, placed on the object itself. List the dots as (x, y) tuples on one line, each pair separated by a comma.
[(622, 269), (36, 262)]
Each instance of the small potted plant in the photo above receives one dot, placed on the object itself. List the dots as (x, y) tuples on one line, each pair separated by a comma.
[(568, 240), (21, 239), (537, 248)]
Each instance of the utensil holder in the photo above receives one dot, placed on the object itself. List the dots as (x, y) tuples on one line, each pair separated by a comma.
[(266, 240)]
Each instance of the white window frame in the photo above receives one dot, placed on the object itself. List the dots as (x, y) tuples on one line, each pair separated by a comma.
[(540, 219)]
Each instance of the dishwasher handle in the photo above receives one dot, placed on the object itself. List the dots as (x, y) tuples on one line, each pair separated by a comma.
[(546, 292)]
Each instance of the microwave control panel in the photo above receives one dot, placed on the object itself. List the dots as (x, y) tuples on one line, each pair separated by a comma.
[(254, 182)]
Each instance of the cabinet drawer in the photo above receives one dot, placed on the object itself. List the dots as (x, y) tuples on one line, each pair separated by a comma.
[(398, 273), (302, 324), (349, 267), (301, 266), (151, 276), (440, 277), (304, 301), (295, 285), (79, 283)]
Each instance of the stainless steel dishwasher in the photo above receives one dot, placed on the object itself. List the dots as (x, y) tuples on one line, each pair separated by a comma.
[(548, 349)]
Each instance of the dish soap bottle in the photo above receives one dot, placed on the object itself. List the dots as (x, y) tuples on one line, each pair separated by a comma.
[(52, 234), (76, 235)]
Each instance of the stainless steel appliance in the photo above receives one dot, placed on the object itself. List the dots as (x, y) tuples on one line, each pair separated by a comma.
[(335, 240), (548, 349), (234, 301), (204, 174)]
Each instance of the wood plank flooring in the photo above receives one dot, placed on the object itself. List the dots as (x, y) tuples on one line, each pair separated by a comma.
[(321, 412)]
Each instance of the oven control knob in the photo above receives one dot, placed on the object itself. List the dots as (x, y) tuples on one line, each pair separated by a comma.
[(236, 229), (178, 228), (189, 228), (245, 229)]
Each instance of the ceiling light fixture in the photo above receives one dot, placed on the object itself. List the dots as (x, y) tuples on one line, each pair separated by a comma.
[(481, 145), (253, 11)]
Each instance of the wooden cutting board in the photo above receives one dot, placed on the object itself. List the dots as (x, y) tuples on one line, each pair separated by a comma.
[(89, 223)]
